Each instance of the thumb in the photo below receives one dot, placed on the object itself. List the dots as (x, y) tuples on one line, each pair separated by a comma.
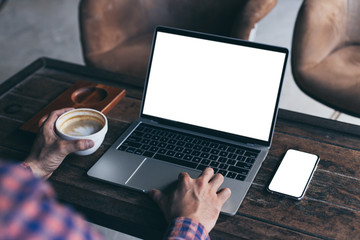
[(157, 196), (160, 199)]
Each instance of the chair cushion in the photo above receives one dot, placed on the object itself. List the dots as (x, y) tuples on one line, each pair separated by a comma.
[(116, 35), (326, 53)]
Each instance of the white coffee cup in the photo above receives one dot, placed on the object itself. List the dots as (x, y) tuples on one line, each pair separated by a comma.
[(83, 123)]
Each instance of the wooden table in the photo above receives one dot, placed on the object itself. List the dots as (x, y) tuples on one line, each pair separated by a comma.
[(329, 210)]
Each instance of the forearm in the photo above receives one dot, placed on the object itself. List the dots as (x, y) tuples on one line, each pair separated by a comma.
[(30, 166)]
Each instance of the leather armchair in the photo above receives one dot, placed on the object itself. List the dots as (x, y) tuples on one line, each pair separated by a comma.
[(116, 35), (326, 53)]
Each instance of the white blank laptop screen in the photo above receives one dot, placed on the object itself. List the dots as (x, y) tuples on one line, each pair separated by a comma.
[(221, 86)]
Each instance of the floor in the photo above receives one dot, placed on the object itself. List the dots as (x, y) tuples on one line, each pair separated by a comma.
[(32, 29)]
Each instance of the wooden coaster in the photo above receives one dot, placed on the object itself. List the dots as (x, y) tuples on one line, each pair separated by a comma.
[(80, 95)]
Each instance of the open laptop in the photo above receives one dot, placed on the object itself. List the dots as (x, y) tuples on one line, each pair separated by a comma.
[(208, 101)]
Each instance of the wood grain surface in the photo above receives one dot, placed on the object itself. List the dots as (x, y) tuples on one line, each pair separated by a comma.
[(329, 210)]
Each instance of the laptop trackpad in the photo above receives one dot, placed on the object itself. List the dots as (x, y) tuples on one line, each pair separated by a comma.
[(159, 175)]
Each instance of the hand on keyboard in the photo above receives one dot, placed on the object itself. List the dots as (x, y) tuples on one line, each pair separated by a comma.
[(198, 199)]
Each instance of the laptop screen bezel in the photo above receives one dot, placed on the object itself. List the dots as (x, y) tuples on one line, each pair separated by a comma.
[(203, 130)]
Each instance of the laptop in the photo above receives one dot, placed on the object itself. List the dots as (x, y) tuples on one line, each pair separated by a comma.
[(208, 101)]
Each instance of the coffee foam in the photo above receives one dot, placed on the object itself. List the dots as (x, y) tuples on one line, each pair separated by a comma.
[(81, 125)]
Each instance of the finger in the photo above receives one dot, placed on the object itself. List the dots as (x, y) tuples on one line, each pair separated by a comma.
[(217, 181), (42, 120), (76, 145), (207, 174), (224, 194), (53, 116)]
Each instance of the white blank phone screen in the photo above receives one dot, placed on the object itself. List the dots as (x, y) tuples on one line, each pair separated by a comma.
[(293, 174)]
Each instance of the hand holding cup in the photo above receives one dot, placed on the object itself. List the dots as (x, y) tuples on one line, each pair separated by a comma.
[(83, 123), (49, 150)]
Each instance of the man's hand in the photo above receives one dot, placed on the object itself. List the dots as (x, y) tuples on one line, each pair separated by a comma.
[(49, 150), (198, 199)]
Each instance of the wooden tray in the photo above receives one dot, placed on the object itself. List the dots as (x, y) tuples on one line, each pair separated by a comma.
[(82, 94)]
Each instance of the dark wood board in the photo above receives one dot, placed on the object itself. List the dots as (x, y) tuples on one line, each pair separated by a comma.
[(81, 94)]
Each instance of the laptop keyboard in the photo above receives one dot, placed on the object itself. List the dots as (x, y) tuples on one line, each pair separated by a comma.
[(190, 151)]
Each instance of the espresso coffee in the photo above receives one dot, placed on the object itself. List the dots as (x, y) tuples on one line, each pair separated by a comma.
[(81, 126), (83, 123)]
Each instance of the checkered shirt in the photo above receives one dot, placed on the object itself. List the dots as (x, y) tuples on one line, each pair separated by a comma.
[(29, 211), (185, 228)]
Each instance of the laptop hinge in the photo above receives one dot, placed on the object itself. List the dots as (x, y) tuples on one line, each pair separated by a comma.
[(149, 121), (252, 145)]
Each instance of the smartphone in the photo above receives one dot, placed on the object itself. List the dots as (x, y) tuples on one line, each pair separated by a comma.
[(294, 174)]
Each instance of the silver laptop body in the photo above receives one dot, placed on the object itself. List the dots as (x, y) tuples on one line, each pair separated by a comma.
[(220, 90)]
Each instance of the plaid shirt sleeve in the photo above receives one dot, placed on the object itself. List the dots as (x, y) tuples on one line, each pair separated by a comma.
[(184, 228), (28, 210)]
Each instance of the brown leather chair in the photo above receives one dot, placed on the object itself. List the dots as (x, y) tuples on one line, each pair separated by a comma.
[(116, 35), (326, 53)]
